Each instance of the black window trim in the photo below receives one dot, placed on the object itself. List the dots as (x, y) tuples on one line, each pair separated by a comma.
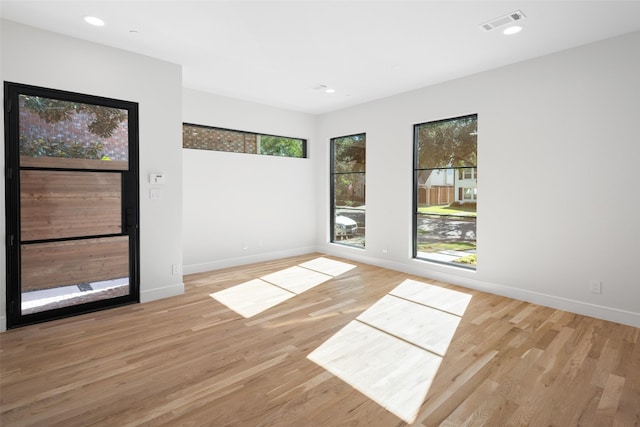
[(415, 214), (332, 173)]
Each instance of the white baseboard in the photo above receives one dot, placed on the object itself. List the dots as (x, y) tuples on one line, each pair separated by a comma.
[(160, 293), (3, 323), (552, 301), (250, 259)]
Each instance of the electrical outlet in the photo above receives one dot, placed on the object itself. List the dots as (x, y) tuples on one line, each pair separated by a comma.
[(596, 286), (156, 194)]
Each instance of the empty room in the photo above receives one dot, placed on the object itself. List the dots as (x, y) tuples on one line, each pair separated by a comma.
[(320, 213)]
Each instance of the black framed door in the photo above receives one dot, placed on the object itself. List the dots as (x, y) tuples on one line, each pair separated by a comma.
[(72, 203)]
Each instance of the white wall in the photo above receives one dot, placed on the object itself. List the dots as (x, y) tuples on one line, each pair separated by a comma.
[(41, 58), (558, 148), (241, 208)]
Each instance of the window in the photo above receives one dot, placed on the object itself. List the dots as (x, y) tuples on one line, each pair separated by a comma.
[(348, 185), (216, 139), (468, 194), (445, 191), (467, 173)]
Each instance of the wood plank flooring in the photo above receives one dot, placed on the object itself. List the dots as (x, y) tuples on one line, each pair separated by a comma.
[(191, 361)]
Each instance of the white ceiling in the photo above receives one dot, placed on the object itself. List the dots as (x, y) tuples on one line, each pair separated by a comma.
[(278, 53)]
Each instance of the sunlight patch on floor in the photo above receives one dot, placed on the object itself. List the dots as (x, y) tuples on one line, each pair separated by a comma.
[(392, 372), (257, 295), (391, 352), (252, 297), (328, 266), (296, 279), (408, 321), (434, 296)]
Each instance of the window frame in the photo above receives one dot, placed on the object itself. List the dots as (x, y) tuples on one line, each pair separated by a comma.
[(415, 191), (129, 202), (332, 190)]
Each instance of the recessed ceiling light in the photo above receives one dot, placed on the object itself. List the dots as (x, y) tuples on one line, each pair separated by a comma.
[(94, 21), (324, 88), (515, 29)]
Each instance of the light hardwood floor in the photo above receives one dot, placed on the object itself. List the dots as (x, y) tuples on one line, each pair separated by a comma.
[(191, 361)]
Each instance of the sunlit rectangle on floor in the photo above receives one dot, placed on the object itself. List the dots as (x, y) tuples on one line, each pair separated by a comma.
[(391, 372), (252, 297), (423, 326), (296, 279), (392, 351), (434, 296), (328, 266), (258, 295)]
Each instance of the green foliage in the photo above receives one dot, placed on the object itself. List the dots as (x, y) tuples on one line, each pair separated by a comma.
[(448, 143), (281, 146), (349, 155), (104, 122), (469, 259), (49, 148)]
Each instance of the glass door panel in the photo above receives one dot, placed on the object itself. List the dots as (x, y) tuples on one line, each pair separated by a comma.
[(64, 273), (57, 133)]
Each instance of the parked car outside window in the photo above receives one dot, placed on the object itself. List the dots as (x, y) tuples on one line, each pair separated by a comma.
[(345, 226)]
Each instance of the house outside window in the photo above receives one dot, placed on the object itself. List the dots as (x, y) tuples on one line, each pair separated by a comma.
[(445, 191)]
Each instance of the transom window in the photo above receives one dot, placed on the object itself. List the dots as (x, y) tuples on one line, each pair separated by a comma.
[(217, 139)]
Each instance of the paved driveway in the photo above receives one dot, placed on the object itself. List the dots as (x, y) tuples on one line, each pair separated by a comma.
[(432, 229)]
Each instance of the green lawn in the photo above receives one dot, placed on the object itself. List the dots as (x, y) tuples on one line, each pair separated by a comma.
[(446, 246), (469, 259), (465, 209), (451, 246)]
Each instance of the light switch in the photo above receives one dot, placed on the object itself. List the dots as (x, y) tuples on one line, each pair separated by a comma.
[(157, 178)]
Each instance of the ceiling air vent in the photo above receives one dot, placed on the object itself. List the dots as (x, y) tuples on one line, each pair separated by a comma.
[(503, 20)]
